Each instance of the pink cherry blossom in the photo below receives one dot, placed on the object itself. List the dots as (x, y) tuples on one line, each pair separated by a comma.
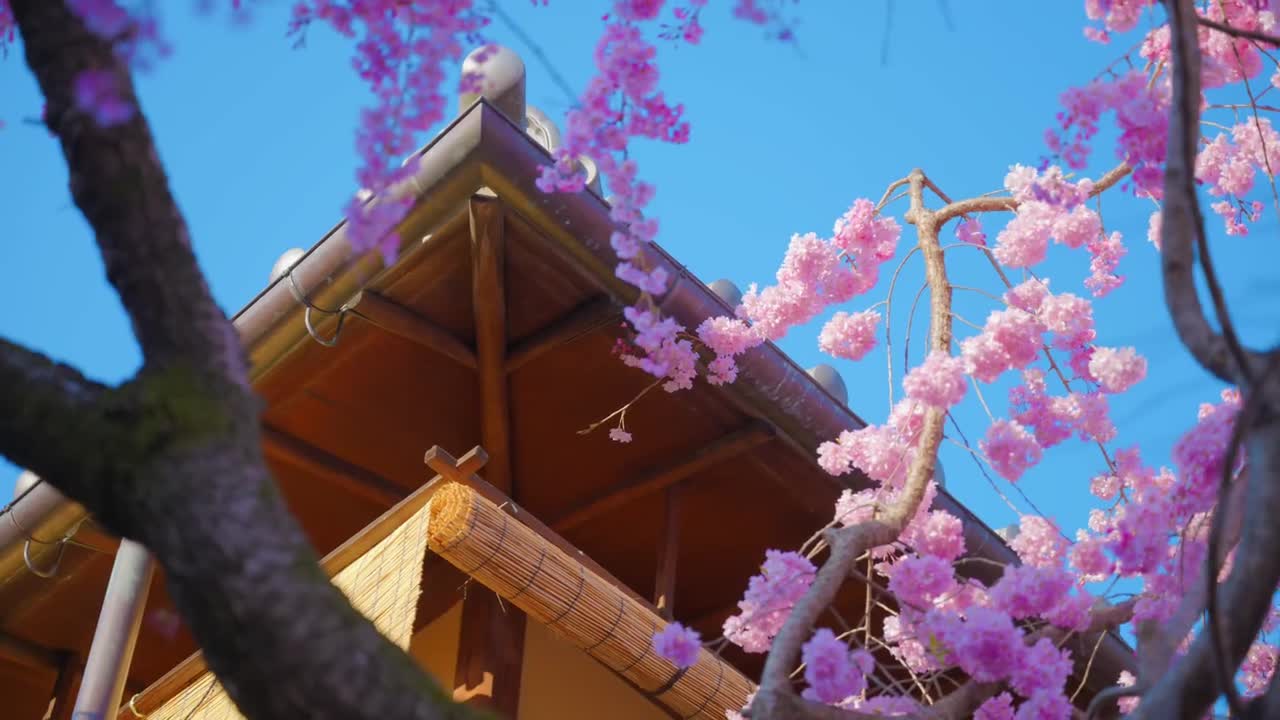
[(1117, 369), (832, 672), (784, 578), (1039, 542), (999, 707), (970, 231), (919, 580), (849, 335), (937, 382), (97, 93), (1010, 448), (678, 644)]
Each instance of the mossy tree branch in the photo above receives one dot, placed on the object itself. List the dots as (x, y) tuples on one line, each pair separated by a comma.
[(173, 458)]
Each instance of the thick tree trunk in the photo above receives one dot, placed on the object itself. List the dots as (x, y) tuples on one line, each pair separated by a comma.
[(173, 458)]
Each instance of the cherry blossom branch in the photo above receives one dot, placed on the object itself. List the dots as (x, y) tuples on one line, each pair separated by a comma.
[(1007, 204), (776, 697)]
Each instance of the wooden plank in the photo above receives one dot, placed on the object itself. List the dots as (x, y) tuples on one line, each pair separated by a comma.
[(489, 303), (490, 653), (66, 687), (282, 446), (731, 445), (587, 317), (395, 318), (664, 581), (28, 654)]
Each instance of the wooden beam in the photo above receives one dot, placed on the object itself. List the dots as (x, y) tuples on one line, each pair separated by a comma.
[(816, 495), (396, 318), (65, 687), (286, 448), (583, 319), (489, 305), (490, 653), (704, 457), (28, 654), (664, 581)]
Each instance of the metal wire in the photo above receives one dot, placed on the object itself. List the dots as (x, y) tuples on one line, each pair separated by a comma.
[(310, 307)]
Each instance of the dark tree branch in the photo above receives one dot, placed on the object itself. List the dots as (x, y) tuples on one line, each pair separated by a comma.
[(1194, 681), (173, 458), (118, 182), (52, 416), (1182, 224), (1239, 32)]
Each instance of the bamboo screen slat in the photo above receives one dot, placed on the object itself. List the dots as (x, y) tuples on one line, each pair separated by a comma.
[(383, 584), (483, 541)]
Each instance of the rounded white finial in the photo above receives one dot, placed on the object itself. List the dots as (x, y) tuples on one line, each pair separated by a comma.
[(25, 482), (830, 381), (499, 78), (285, 263), (542, 129), (1010, 532), (727, 291)]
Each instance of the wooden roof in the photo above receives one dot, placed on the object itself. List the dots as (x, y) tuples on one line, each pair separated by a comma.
[(346, 426)]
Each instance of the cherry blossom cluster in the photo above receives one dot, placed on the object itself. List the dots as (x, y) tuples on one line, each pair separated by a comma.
[(816, 273), (402, 50), (1050, 207), (623, 101)]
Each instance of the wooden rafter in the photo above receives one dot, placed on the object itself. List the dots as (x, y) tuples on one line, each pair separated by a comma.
[(28, 654), (286, 448), (704, 457), (396, 318), (664, 579), (583, 319)]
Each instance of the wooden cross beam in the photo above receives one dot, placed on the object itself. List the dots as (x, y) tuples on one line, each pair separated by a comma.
[(455, 469)]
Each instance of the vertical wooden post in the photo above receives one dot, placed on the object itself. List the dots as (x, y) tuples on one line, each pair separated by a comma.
[(490, 653), (64, 688), (489, 303), (664, 583), (491, 640)]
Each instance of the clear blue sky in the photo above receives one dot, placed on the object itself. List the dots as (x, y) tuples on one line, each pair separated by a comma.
[(257, 138)]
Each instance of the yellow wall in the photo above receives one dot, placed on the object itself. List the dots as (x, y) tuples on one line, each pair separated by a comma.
[(558, 681), (435, 646)]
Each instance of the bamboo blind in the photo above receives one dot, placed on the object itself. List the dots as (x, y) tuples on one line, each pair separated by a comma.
[(521, 566), (383, 584)]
